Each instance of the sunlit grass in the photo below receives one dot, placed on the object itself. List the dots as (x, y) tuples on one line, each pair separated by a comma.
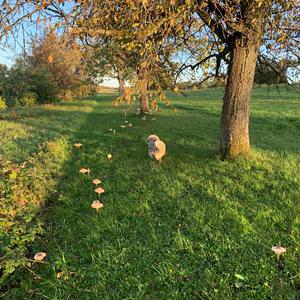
[(192, 227)]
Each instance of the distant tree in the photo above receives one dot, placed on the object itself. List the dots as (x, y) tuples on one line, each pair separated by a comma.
[(60, 57), (3, 79), (41, 84), (17, 81), (270, 72), (105, 59)]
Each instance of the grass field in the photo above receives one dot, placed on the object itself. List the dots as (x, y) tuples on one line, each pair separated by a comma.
[(193, 227)]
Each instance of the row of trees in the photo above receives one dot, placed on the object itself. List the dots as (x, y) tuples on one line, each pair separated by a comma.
[(153, 42), (51, 70)]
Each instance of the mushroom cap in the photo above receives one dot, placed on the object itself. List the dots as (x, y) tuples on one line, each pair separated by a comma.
[(99, 190), (129, 125), (97, 204), (84, 170), (77, 145), (96, 181), (109, 156), (278, 249), (39, 256)]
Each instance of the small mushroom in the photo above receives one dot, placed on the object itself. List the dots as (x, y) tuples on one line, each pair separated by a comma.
[(84, 170), (278, 250), (97, 205), (110, 129), (99, 190), (60, 274), (77, 145), (39, 256), (123, 126), (129, 125), (96, 181), (109, 156)]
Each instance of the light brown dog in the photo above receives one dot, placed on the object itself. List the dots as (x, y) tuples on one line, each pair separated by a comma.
[(157, 148)]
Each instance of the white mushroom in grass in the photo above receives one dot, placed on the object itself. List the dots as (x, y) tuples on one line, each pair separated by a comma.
[(96, 181), (278, 250), (109, 156), (77, 145), (84, 170), (99, 190), (97, 205), (39, 256)]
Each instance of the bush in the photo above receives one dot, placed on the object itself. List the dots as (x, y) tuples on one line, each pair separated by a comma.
[(84, 89), (3, 105), (29, 100), (42, 86), (23, 190), (67, 95)]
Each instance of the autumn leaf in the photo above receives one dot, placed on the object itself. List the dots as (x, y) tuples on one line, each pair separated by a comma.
[(50, 59)]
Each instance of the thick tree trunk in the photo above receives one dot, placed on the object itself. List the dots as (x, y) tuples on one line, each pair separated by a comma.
[(121, 86), (143, 88), (235, 112)]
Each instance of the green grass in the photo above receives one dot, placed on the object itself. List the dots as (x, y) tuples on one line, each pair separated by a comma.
[(194, 227)]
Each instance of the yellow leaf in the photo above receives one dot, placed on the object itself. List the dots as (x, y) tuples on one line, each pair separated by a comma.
[(50, 59), (176, 89)]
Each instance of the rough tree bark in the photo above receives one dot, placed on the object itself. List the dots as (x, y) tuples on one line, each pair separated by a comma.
[(235, 112), (143, 88), (121, 86)]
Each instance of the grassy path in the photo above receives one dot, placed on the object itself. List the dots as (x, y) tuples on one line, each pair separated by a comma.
[(193, 227)]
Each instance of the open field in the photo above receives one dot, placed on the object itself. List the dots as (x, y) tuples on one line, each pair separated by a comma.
[(193, 227)]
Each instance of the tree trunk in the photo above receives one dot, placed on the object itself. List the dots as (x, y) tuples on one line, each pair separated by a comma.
[(143, 88), (121, 86), (235, 112)]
